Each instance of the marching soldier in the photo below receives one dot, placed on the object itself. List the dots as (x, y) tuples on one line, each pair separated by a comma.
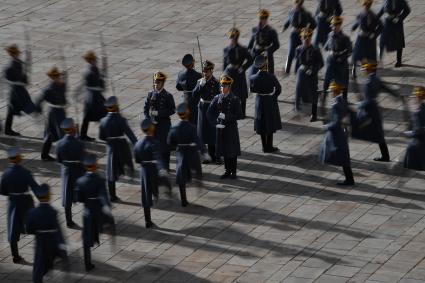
[(267, 115), (184, 139), (415, 153), (264, 39), (224, 112), (55, 97), (159, 106), (308, 63), (50, 244), (243, 55), (392, 37), (113, 129), (367, 124), (148, 155), (19, 98), (186, 82), (334, 148), (298, 19), (369, 27), (94, 108), (339, 48), (70, 153), (91, 190), (326, 9), (15, 182), (206, 89)]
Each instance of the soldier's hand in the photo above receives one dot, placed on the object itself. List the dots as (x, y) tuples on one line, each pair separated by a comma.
[(221, 116), (154, 113), (308, 72), (396, 20), (202, 81), (240, 70)]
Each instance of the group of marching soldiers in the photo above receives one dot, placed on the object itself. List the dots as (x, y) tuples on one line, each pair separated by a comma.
[(207, 130)]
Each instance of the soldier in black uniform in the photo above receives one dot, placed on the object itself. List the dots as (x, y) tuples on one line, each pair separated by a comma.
[(298, 19), (113, 129), (264, 40), (267, 115), (70, 153), (326, 9), (159, 106), (224, 112), (243, 55), (55, 97), (94, 108), (392, 37), (335, 150), (309, 62), (15, 182), (19, 98), (206, 89), (186, 82)]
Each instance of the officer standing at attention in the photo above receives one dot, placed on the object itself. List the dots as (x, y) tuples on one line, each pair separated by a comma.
[(392, 37), (205, 90), (15, 182), (159, 106), (49, 241), (94, 108), (184, 139), (19, 99), (264, 39), (267, 114), (91, 190), (70, 153), (224, 112), (326, 9), (55, 97), (186, 82), (298, 19), (309, 62), (113, 129)]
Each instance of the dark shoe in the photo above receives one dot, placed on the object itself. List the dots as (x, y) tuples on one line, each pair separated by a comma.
[(87, 138), (11, 133), (398, 65), (381, 159), (185, 203), (89, 267), (225, 175), (274, 149), (71, 224), (233, 176), (346, 183), (48, 158), (206, 162), (115, 199), (150, 225), (313, 118), (18, 259)]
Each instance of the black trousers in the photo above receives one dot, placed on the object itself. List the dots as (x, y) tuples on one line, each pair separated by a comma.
[(165, 156), (14, 248), (230, 164), (348, 173), (211, 151), (243, 106), (384, 150), (147, 211), (267, 142), (47, 145), (68, 214), (112, 190), (87, 255), (84, 127), (399, 54), (183, 198), (9, 120)]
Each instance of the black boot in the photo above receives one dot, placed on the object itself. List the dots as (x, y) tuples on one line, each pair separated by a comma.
[(349, 179), (84, 129), (385, 155), (183, 198), (226, 168), (15, 252), (399, 58), (47, 145), (112, 192), (270, 146), (8, 124), (148, 220), (68, 217), (264, 142), (233, 165), (87, 258), (313, 117)]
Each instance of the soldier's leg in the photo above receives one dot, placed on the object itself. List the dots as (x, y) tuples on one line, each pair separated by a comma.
[(166, 159), (314, 107), (112, 191), (148, 220), (345, 94), (87, 258), (47, 145), (291, 54), (385, 155), (399, 57), (15, 251), (243, 105), (233, 165), (227, 164), (349, 179), (182, 188), (8, 124), (264, 142), (211, 152), (84, 129), (270, 143), (68, 216)]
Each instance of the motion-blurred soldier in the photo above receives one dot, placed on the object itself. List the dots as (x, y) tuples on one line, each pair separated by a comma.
[(243, 55), (49, 242), (184, 139), (70, 153), (335, 150), (267, 114), (94, 108), (91, 191), (15, 183), (186, 82), (299, 18), (264, 40), (205, 90), (159, 106), (19, 98), (415, 153), (309, 62), (326, 9), (113, 129), (55, 97), (224, 112), (392, 37), (369, 27)]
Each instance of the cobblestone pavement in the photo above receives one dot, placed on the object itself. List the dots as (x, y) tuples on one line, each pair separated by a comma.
[(283, 220)]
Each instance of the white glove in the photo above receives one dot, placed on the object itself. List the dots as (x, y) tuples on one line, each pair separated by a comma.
[(202, 81), (332, 53), (308, 72), (372, 36), (154, 113), (221, 116), (206, 157), (395, 20), (240, 70), (302, 67), (162, 173), (107, 210)]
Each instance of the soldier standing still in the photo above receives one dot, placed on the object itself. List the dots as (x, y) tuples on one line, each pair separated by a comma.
[(264, 39), (159, 106), (206, 89), (70, 153), (326, 10), (186, 82), (309, 62), (224, 112), (392, 37), (113, 129), (15, 183), (267, 114), (94, 108), (55, 97), (19, 98), (299, 18)]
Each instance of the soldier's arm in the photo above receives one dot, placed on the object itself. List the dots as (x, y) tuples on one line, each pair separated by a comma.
[(297, 59), (171, 141), (79, 192), (178, 84), (196, 93), (157, 156), (104, 196), (136, 154), (381, 11), (287, 22), (129, 132), (31, 182), (406, 10), (212, 112), (338, 8), (147, 106), (379, 27), (3, 187), (248, 60), (275, 42), (251, 42), (171, 104), (356, 23), (102, 134), (278, 87), (320, 62), (58, 153), (40, 100), (30, 224)]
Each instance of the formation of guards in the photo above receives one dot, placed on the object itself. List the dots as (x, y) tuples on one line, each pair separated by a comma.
[(207, 130)]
